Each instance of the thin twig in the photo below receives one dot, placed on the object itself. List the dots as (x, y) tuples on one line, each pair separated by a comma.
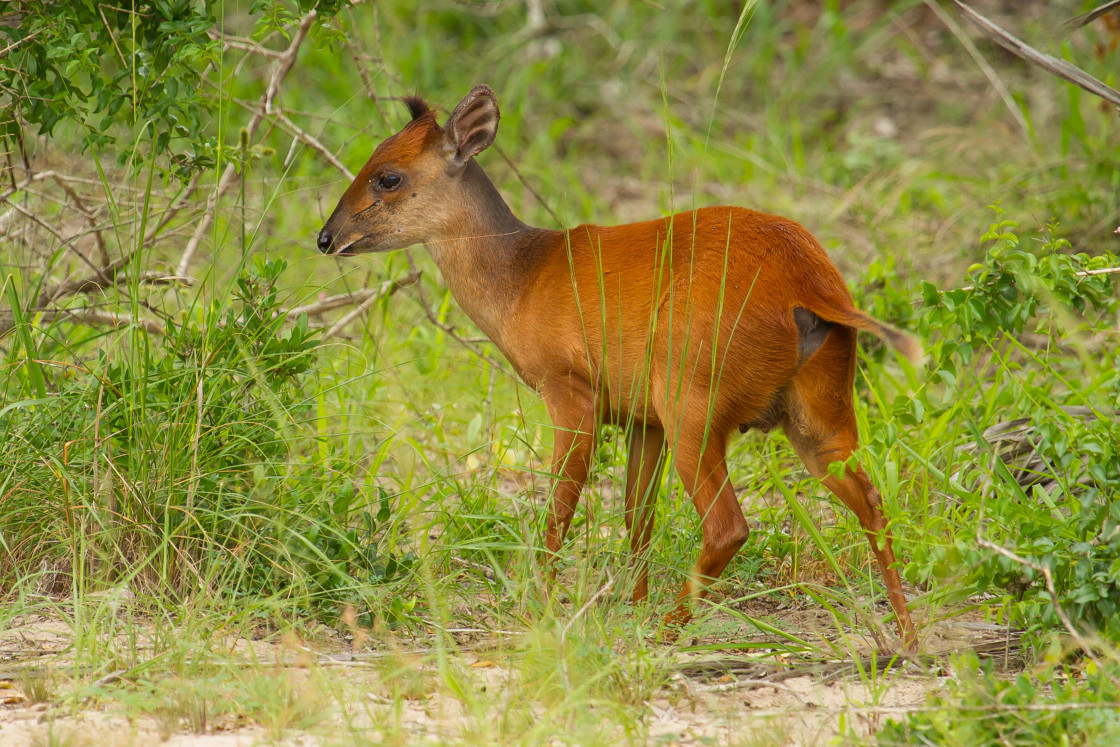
[(80, 206), (525, 183), (357, 55), (264, 108), (989, 72), (388, 288), (243, 44), (16, 43), (1079, 274), (1048, 577), (89, 316), (343, 299), (422, 297), (300, 134)]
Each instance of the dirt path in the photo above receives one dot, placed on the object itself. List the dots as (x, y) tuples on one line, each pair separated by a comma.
[(281, 692)]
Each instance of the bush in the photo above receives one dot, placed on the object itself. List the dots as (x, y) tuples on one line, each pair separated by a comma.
[(177, 459), (1056, 705), (1045, 483)]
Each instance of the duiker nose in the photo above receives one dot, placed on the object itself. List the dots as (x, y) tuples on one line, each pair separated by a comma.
[(324, 241)]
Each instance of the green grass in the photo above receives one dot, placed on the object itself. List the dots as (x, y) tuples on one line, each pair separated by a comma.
[(169, 500)]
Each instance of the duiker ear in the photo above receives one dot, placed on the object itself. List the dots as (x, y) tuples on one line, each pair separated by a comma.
[(472, 126)]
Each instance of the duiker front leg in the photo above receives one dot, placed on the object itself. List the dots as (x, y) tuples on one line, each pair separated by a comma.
[(702, 468), (573, 412)]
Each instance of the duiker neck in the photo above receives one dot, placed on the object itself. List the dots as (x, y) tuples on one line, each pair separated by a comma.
[(486, 254)]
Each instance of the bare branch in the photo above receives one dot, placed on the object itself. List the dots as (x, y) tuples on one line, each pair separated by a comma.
[(80, 206), (243, 44), (229, 176), (345, 299), (386, 289), (300, 134), (89, 316)]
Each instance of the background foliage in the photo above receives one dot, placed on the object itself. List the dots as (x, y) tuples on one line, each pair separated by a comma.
[(197, 408)]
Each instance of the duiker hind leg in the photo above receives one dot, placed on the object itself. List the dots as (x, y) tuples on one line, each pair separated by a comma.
[(821, 425), (644, 465)]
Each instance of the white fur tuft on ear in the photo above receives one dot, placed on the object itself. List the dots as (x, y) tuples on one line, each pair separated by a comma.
[(471, 128)]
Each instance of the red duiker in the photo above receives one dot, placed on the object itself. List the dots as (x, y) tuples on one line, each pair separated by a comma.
[(682, 329)]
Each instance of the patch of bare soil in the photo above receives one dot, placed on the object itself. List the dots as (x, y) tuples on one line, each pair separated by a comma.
[(715, 695)]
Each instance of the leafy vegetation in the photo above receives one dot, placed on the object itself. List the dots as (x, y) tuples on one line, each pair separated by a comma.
[(210, 435), (1077, 708)]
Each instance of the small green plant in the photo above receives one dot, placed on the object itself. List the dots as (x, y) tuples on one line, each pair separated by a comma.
[(1064, 704)]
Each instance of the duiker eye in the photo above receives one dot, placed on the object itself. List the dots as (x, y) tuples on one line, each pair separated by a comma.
[(389, 181)]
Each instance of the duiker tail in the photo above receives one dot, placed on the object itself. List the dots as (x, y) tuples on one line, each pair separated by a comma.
[(904, 342)]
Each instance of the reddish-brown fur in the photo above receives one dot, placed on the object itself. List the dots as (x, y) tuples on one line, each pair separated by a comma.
[(683, 329)]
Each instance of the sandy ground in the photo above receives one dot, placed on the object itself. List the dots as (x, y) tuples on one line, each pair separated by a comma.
[(717, 697)]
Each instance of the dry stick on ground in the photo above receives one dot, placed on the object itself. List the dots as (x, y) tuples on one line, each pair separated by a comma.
[(1061, 68), (264, 108)]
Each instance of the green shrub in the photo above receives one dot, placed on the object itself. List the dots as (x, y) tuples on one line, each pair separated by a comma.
[(1056, 705), (1038, 323), (178, 458)]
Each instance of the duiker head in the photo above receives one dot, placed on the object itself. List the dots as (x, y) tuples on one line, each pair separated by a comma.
[(405, 193)]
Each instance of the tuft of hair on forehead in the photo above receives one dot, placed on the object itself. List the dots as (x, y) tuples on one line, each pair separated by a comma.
[(417, 107), (419, 134)]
